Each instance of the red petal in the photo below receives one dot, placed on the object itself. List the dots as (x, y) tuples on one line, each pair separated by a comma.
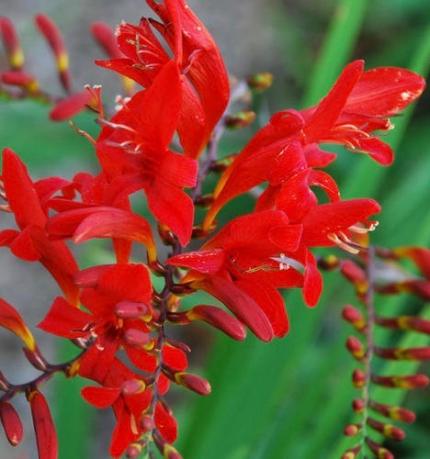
[(122, 435), (46, 436), (270, 301), (126, 282), (11, 423), (331, 106), (65, 320), (20, 192), (141, 359), (12, 321), (115, 223), (165, 423), (157, 108), (313, 282), (379, 151), (315, 157), (71, 106), (205, 261), (175, 358), (385, 91), (172, 207), (24, 247), (101, 397), (242, 306), (105, 37), (337, 216)]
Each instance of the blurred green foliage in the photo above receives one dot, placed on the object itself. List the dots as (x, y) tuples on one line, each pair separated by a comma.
[(289, 399)]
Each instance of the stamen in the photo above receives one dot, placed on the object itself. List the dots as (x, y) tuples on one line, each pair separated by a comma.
[(287, 263), (343, 245), (117, 126)]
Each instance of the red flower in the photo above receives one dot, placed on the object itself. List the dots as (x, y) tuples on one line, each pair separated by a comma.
[(204, 84), (120, 289), (136, 144), (104, 211), (358, 104), (31, 243), (237, 267)]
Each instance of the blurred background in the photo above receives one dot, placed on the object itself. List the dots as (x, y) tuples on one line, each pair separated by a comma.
[(285, 400)]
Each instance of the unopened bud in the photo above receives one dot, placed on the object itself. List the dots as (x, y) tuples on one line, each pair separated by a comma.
[(402, 382), (355, 275), (405, 323), (358, 378), (351, 430), (133, 386), (11, 44), (135, 337), (11, 422), (105, 37), (387, 430), (393, 412), (24, 80), (147, 423), (260, 81), (219, 319), (193, 382), (134, 451), (328, 263), (170, 452), (131, 310), (71, 106), (379, 451), (355, 347), (240, 120), (354, 317), (418, 353), (53, 36), (358, 405)]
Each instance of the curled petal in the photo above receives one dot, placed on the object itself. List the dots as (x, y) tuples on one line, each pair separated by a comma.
[(101, 397), (65, 320), (12, 321)]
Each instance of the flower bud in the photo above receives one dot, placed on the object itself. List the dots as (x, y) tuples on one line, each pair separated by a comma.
[(53, 36), (352, 453), (71, 106), (106, 39), (354, 316), (134, 451), (351, 430), (378, 450), (219, 319), (355, 347), (260, 81), (358, 405), (402, 382), (137, 338), (131, 310), (240, 120), (193, 382), (328, 263), (419, 353), (405, 323), (133, 386), (11, 44), (11, 422), (24, 80), (393, 412), (388, 430), (358, 379)]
